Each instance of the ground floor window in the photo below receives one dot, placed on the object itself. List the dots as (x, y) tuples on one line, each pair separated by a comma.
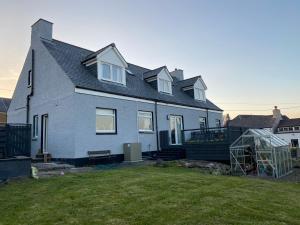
[(295, 143), (202, 121), (145, 120), (218, 123), (106, 121), (35, 126)]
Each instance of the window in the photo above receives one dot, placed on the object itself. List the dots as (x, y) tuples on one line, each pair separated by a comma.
[(145, 120), (202, 121), (117, 74), (297, 128), (295, 143), (291, 129), (29, 81), (112, 73), (106, 71), (199, 94), (285, 129), (218, 123), (35, 126), (106, 121), (280, 129), (164, 86)]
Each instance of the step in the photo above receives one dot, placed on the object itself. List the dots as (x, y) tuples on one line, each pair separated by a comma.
[(52, 166)]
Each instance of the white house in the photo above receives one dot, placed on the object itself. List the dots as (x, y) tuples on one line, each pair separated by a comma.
[(79, 100)]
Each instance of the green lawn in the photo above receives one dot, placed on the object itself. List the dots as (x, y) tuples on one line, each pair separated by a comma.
[(149, 195)]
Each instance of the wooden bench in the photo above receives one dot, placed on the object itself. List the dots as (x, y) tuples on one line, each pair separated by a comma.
[(98, 154)]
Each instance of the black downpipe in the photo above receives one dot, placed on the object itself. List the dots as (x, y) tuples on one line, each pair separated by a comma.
[(156, 127), (31, 88)]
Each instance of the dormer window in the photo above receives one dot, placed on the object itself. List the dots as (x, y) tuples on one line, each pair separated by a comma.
[(164, 86), (112, 73), (199, 90), (160, 79), (111, 65), (199, 94)]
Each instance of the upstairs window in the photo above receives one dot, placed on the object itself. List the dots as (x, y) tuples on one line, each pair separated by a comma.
[(145, 120), (112, 73), (199, 94), (164, 86), (29, 80)]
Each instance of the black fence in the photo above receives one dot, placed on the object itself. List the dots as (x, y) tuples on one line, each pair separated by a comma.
[(15, 140), (211, 135), (204, 144)]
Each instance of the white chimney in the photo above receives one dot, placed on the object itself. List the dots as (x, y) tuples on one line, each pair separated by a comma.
[(177, 73), (41, 29), (276, 113)]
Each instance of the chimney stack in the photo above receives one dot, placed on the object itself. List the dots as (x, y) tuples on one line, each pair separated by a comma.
[(41, 29), (276, 113), (177, 73)]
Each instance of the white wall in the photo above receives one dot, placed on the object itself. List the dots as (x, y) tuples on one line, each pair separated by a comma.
[(289, 136)]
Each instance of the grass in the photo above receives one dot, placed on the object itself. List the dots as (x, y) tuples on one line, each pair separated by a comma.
[(149, 195)]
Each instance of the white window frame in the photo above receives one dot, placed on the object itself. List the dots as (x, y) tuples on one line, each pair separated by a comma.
[(35, 126), (113, 115), (166, 86), (29, 79), (218, 123), (149, 116), (123, 76), (285, 129), (199, 94), (204, 121), (173, 118)]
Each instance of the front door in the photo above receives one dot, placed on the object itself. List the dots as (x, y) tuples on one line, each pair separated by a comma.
[(44, 136), (176, 127)]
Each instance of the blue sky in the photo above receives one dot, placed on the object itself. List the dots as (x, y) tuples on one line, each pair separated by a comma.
[(246, 51)]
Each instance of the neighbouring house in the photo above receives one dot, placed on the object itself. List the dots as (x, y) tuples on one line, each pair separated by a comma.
[(79, 100), (289, 130), (4, 104), (282, 126)]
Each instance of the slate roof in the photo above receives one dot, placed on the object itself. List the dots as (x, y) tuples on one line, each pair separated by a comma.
[(4, 104), (289, 122), (254, 121), (69, 57), (152, 73)]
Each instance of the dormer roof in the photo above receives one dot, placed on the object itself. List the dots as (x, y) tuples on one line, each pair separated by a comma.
[(101, 51), (94, 54), (153, 73), (190, 82)]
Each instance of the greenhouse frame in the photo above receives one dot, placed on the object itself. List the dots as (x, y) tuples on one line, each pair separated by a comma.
[(260, 152)]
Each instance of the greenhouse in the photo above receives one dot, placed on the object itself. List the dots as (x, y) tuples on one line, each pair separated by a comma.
[(259, 152)]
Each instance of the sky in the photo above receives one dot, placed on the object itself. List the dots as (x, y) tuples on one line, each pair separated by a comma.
[(247, 52)]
